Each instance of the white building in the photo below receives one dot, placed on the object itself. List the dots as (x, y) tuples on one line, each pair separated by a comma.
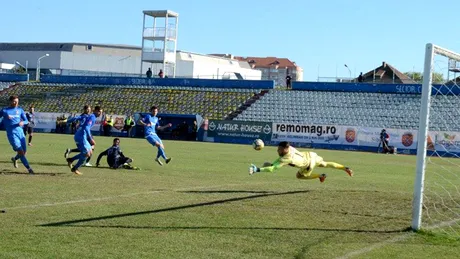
[(194, 65), (117, 60)]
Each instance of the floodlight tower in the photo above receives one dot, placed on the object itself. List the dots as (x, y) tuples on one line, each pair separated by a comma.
[(159, 41)]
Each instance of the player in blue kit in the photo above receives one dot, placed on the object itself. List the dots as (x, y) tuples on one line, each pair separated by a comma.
[(151, 125), (83, 137), (14, 119)]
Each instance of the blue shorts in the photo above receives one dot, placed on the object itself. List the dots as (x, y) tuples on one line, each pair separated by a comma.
[(84, 146), (152, 139), (17, 140)]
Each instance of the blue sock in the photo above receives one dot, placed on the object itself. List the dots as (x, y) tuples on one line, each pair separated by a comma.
[(24, 161), (161, 153), (81, 161), (17, 157), (75, 157)]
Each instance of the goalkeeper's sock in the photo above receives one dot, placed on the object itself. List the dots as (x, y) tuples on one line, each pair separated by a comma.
[(332, 165), (161, 153)]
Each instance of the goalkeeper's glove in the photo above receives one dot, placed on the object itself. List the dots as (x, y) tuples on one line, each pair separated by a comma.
[(253, 169)]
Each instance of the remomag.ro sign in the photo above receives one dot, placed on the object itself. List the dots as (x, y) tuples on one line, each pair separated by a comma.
[(240, 129)]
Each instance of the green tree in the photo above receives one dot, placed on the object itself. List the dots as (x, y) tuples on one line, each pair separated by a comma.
[(438, 78)]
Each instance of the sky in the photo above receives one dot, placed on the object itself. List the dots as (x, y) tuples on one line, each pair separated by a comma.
[(320, 36)]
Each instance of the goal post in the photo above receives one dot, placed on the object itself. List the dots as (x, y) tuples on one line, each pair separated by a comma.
[(442, 195)]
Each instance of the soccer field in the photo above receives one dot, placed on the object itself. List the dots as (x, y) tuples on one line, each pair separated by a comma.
[(205, 205)]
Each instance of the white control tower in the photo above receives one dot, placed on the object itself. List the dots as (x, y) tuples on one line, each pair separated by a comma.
[(159, 42)]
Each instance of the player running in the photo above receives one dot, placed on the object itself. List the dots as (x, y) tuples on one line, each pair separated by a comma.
[(14, 119), (305, 161), (115, 157), (76, 150), (151, 124), (81, 137)]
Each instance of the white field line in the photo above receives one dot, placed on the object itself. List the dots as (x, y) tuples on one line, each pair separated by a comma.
[(395, 239)]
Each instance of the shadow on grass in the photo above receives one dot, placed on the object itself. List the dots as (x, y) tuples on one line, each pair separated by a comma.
[(202, 204), (251, 228), (229, 191), (35, 163), (11, 172)]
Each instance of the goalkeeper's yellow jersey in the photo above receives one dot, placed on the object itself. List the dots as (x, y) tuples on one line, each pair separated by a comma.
[(294, 158)]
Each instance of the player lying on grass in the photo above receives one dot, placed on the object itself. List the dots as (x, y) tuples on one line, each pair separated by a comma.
[(115, 157), (305, 161)]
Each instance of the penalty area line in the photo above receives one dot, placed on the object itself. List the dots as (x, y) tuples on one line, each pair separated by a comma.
[(395, 239)]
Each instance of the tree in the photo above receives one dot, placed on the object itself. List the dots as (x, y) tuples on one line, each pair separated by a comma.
[(438, 78)]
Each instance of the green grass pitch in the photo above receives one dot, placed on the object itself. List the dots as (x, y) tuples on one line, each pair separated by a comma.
[(205, 205)]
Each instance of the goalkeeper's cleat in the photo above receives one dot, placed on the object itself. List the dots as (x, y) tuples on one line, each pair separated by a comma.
[(69, 162), (67, 152), (168, 160), (322, 178), (253, 169), (15, 162), (158, 161), (75, 171), (349, 171), (31, 171)]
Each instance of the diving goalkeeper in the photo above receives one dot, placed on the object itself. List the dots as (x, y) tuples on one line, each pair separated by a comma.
[(305, 161)]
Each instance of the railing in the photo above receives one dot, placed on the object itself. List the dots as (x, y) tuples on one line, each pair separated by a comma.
[(160, 32)]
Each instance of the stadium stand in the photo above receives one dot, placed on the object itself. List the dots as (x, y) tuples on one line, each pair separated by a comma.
[(385, 110), (213, 103), (4, 85)]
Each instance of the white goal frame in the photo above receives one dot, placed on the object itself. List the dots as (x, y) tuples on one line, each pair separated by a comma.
[(430, 51)]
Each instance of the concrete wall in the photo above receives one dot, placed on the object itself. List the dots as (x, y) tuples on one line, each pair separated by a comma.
[(100, 62), (53, 61)]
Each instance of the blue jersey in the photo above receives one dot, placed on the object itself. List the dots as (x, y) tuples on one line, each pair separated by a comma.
[(86, 121), (12, 116), (153, 121)]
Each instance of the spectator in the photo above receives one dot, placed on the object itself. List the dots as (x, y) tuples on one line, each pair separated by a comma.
[(161, 75), (29, 128), (385, 141), (108, 124), (193, 132), (288, 81), (360, 77), (149, 73), (129, 123)]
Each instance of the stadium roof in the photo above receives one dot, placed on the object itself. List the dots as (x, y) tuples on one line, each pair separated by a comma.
[(268, 62), (57, 46), (161, 13), (385, 73)]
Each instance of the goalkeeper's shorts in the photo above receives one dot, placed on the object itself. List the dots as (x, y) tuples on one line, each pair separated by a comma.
[(315, 160)]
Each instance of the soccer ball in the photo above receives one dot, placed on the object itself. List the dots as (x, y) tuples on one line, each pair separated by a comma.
[(258, 144)]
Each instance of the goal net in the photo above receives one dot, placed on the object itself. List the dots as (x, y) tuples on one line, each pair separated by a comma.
[(436, 203)]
